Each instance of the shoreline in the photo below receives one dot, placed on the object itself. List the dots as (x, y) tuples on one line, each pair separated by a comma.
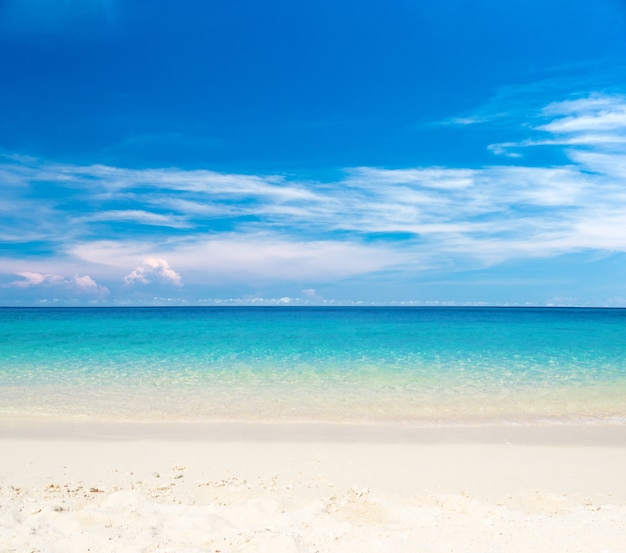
[(566, 432)]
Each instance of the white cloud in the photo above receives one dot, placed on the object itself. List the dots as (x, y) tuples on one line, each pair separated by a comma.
[(153, 268), (85, 282), (471, 120), (595, 121), (78, 284), (218, 185), (37, 279), (603, 121), (611, 166), (432, 177), (258, 257), (594, 114), (593, 103), (221, 228), (135, 216), (309, 293)]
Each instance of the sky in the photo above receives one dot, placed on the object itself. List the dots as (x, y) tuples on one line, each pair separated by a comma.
[(239, 152)]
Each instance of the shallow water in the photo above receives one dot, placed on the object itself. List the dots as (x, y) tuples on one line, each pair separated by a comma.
[(329, 364)]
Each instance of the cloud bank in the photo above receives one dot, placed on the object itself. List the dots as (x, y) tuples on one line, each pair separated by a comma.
[(218, 228)]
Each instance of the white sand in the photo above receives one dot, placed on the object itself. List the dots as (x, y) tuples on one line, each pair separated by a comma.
[(312, 488)]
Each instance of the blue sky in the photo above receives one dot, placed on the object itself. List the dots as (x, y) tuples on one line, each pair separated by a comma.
[(246, 152)]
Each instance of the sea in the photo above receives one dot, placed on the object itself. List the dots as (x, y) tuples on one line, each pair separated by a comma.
[(422, 365)]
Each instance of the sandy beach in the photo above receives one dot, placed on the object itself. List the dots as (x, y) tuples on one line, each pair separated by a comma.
[(311, 488)]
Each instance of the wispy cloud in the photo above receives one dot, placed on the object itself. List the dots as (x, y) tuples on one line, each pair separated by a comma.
[(219, 227), (241, 258), (137, 216), (595, 121), (37, 279)]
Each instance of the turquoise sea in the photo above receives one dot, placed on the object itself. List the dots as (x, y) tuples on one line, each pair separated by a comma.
[(424, 365)]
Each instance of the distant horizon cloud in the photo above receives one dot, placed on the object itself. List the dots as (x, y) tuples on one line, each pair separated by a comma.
[(82, 284), (153, 268), (309, 293)]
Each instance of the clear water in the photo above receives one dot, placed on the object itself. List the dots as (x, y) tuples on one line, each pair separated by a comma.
[(314, 364)]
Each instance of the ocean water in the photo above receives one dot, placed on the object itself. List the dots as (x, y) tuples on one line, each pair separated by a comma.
[(423, 365)]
